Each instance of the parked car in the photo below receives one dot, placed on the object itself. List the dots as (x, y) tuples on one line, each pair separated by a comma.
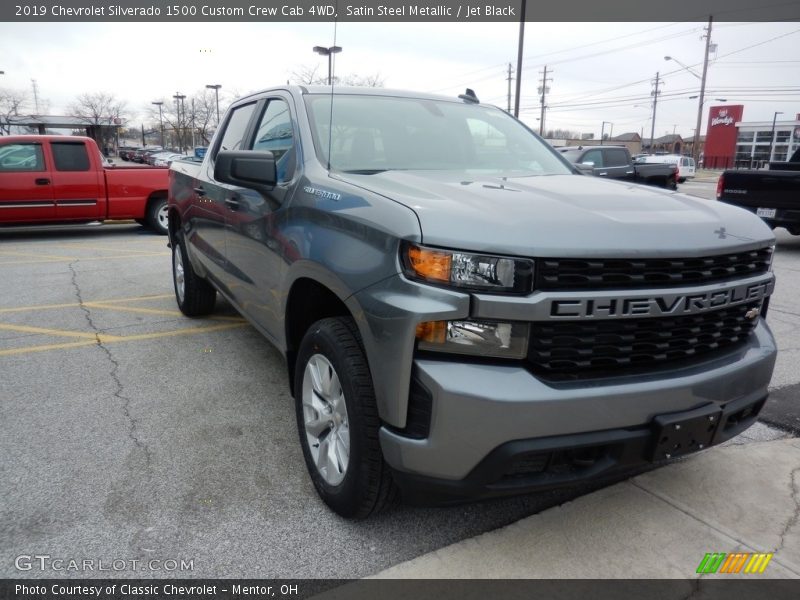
[(140, 156), (153, 156), (462, 314), (615, 162), (65, 179), (685, 164), (165, 160), (126, 152), (773, 194)]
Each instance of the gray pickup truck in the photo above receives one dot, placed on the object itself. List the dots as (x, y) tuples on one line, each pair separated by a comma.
[(615, 162), (462, 314)]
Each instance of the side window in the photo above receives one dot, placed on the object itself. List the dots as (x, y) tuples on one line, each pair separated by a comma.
[(594, 156), (274, 134), (70, 156), (236, 128), (615, 158), (21, 157)]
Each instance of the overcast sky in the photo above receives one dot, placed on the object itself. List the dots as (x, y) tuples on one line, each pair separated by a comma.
[(756, 64)]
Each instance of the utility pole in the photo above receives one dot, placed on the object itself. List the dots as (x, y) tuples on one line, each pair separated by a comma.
[(519, 55), (509, 78), (35, 95), (654, 94), (696, 144), (544, 89)]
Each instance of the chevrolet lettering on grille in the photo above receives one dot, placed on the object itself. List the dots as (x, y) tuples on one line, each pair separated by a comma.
[(668, 304)]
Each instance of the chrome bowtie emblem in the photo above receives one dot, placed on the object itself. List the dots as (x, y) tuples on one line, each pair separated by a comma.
[(751, 314)]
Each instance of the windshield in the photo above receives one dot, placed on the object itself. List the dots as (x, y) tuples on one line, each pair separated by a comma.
[(378, 133)]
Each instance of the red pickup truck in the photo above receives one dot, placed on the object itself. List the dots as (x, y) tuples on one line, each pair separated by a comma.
[(46, 179)]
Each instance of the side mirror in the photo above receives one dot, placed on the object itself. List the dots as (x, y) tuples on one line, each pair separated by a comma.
[(247, 169), (584, 169)]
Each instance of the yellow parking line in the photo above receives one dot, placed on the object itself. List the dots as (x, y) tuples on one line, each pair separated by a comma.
[(136, 298), (187, 331), (29, 349), (155, 311), (60, 332), (74, 304), (133, 309), (117, 339)]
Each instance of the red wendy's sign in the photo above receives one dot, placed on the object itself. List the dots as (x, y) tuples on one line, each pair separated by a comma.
[(720, 146)]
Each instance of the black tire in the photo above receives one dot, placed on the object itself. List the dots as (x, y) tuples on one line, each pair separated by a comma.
[(682, 180), (366, 486), (198, 296), (157, 215)]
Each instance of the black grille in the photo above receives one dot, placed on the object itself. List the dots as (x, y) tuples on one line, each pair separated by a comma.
[(608, 347), (596, 274)]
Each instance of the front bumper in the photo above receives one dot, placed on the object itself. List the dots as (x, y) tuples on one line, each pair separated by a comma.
[(498, 429)]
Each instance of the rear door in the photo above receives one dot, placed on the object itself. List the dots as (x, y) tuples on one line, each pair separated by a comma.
[(26, 188), (79, 189), (617, 164)]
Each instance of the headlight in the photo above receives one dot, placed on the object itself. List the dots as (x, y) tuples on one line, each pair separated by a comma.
[(478, 338), (480, 272)]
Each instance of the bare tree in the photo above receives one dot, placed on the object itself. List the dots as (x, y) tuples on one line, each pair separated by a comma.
[(366, 81), (99, 109), (189, 121), (305, 75), (11, 103)]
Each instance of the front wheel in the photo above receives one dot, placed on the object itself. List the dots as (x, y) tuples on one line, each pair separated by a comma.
[(338, 422), (158, 216)]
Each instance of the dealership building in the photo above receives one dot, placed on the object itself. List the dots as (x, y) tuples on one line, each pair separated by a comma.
[(732, 142)]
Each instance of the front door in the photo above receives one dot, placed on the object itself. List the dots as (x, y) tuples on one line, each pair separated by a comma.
[(26, 188)]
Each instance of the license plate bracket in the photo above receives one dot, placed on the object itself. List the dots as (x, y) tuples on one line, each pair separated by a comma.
[(685, 432)]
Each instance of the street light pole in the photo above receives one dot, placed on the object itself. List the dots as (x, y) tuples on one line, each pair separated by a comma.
[(772, 137), (329, 52), (216, 87), (178, 101), (603, 128), (160, 120)]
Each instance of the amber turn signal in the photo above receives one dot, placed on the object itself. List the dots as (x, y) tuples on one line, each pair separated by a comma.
[(434, 332), (430, 264)]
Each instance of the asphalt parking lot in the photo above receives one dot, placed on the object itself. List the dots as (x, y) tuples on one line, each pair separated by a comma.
[(133, 433)]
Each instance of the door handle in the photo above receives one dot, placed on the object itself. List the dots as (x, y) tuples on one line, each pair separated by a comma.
[(232, 204), (602, 174), (42, 181), (628, 172), (200, 191)]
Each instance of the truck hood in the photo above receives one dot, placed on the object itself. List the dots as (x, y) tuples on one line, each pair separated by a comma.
[(564, 215)]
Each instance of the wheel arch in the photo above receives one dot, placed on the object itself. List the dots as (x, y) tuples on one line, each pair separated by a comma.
[(307, 301)]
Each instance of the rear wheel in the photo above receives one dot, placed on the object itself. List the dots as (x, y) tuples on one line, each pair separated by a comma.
[(158, 215), (195, 296), (672, 183), (338, 422)]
